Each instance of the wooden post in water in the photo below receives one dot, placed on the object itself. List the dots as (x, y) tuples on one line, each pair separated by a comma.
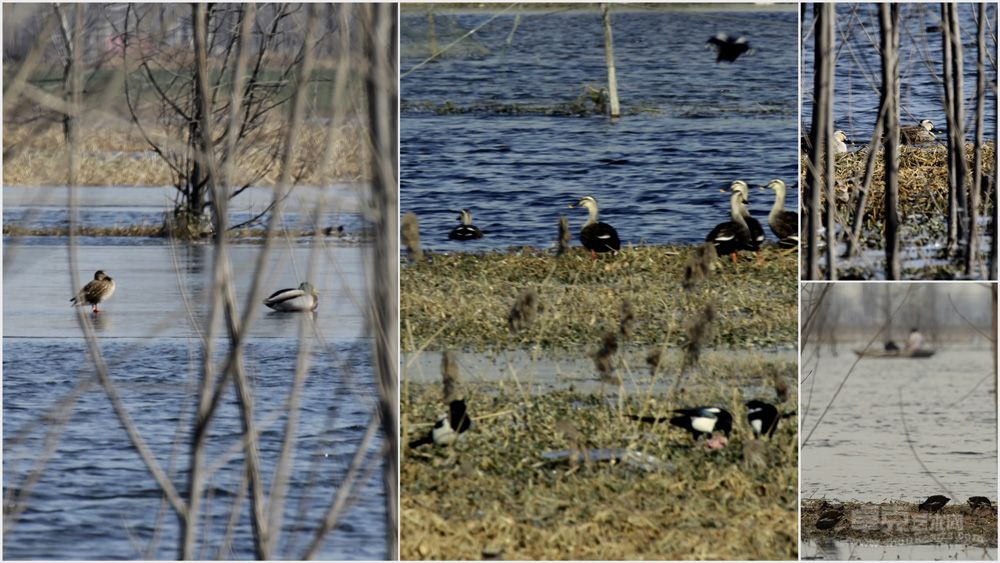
[(889, 19), (609, 56), (432, 41)]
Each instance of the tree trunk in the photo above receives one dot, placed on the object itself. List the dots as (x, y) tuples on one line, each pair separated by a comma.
[(889, 19), (383, 319), (972, 242), (819, 135)]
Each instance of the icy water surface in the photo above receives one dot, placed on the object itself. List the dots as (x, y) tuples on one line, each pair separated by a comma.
[(690, 126), (833, 550), (95, 498)]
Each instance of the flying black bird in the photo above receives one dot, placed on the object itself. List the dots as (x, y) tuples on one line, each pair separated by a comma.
[(763, 418), (933, 503), (728, 48), (448, 427)]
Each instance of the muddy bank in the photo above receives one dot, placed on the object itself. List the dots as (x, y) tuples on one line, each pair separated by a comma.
[(900, 522)]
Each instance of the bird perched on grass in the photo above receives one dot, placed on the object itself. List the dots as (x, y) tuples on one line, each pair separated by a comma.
[(596, 236), (829, 517), (305, 298), (980, 503), (762, 417), (734, 235), (447, 428), (784, 224), (703, 421), (933, 503), (465, 231), (727, 48), (914, 134), (97, 290)]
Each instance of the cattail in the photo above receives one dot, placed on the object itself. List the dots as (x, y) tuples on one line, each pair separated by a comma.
[(449, 376), (564, 236), (602, 358), (653, 359), (524, 311), (627, 319), (780, 387), (700, 264), (411, 236), (697, 332)]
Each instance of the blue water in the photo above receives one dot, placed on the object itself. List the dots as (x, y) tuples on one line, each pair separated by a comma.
[(95, 498), (859, 68), (690, 126)]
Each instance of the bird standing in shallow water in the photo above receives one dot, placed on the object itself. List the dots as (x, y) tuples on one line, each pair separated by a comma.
[(448, 427), (303, 299), (465, 231), (728, 48), (595, 235), (784, 224), (97, 290), (933, 503)]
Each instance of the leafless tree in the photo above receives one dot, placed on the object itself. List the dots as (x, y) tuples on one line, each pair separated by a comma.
[(889, 22), (819, 172)]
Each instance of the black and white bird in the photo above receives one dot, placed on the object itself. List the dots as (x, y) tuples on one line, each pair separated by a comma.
[(784, 224), (733, 235), (914, 134), (448, 427), (595, 235), (728, 48), (465, 231), (933, 503), (980, 503), (762, 417), (97, 290), (304, 298), (703, 420)]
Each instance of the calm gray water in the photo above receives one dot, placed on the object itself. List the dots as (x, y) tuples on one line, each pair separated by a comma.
[(95, 499), (690, 126), (859, 69), (860, 451)]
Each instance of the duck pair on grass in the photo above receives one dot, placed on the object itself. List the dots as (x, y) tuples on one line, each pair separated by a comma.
[(305, 298), (743, 232)]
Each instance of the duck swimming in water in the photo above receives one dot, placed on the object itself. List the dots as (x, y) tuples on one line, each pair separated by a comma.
[(595, 235), (915, 134), (97, 290), (784, 224), (303, 299), (465, 231)]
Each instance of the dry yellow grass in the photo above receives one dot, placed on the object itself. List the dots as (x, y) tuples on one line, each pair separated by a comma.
[(117, 155)]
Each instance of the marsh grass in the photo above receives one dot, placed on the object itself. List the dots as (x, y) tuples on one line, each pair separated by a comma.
[(923, 182), (463, 300), (978, 527), (493, 494), (114, 153)]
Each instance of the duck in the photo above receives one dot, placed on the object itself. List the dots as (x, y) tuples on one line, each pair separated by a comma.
[(465, 231), (830, 517), (784, 224), (933, 503), (595, 235), (703, 420), (762, 417), (447, 428), (727, 48), (97, 290), (839, 142), (305, 298), (914, 134), (734, 235), (977, 503), (756, 231)]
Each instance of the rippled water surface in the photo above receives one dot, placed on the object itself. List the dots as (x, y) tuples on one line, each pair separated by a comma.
[(690, 126), (95, 498), (860, 451)]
